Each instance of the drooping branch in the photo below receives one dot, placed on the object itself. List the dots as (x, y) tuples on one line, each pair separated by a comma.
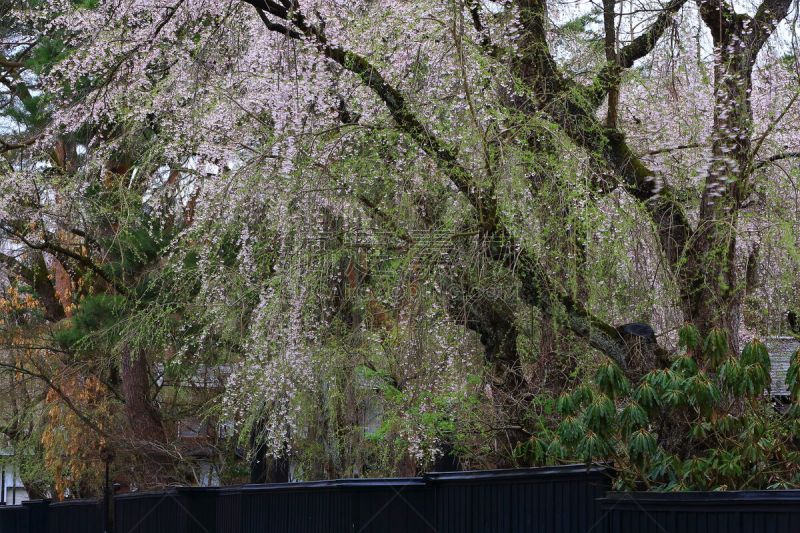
[(537, 290), (91, 424)]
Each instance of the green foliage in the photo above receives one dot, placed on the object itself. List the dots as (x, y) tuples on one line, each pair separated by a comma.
[(641, 445), (566, 404), (571, 430), (33, 113), (94, 318), (715, 347), (689, 337), (686, 427), (260, 245), (581, 23), (599, 415), (593, 447), (684, 365), (632, 418), (48, 52), (133, 248), (610, 380)]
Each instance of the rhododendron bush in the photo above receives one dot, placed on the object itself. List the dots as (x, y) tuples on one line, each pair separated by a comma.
[(368, 237)]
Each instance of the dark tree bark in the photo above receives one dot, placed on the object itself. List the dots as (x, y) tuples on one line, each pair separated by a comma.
[(711, 291), (147, 437), (37, 276)]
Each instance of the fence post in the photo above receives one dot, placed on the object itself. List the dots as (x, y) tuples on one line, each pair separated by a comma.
[(108, 493), (199, 504)]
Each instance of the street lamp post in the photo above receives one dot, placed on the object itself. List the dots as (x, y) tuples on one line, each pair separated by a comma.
[(108, 492)]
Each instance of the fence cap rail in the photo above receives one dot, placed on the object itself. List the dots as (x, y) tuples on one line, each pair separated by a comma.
[(334, 484), (70, 503), (734, 498), (516, 474), (41, 501), (578, 471), (141, 494), (209, 490)]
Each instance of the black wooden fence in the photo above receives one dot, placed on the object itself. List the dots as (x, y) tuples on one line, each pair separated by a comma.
[(761, 511), (542, 500)]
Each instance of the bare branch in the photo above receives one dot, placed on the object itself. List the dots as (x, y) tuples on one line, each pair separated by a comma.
[(640, 47), (775, 158), (6, 146), (673, 148), (56, 249)]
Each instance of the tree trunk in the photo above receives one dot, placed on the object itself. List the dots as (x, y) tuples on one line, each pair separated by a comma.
[(148, 439), (711, 292)]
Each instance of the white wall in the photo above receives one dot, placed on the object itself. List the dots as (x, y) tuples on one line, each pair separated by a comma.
[(14, 491)]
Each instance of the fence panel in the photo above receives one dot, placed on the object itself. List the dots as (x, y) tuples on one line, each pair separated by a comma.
[(543, 500), (390, 505), (199, 505), (37, 515), (562, 499), (295, 508), (75, 516), (702, 512), (150, 512), (13, 519), (229, 510)]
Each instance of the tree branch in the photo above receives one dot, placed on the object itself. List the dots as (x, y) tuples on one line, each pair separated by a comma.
[(6, 146), (633, 51), (719, 17), (10, 64), (673, 148), (66, 252), (573, 108), (537, 291), (37, 277), (768, 13), (776, 157), (67, 401)]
